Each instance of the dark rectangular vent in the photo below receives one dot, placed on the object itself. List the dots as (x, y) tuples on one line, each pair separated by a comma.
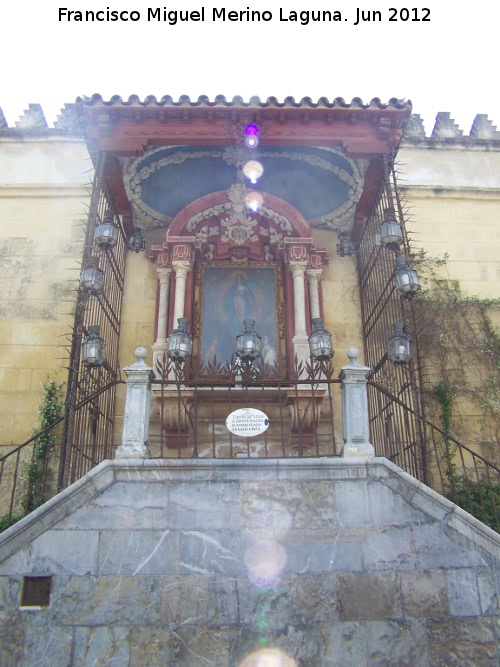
[(36, 591)]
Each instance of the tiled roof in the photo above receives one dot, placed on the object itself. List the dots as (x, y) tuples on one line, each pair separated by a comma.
[(239, 102)]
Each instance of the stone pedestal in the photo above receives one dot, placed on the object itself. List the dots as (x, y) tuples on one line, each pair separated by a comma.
[(136, 415), (355, 420)]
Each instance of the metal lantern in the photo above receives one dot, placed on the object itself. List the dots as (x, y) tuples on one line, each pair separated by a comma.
[(136, 242), (405, 278), (248, 343), (399, 345), (91, 277), (390, 229), (93, 348), (345, 247), (320, 341), (180, 342), (106, 234)]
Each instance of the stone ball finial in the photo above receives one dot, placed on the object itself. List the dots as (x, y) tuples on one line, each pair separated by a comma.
[(141, 353), (353, 353)]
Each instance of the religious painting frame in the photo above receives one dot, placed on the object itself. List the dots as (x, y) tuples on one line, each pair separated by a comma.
[(226, 294)]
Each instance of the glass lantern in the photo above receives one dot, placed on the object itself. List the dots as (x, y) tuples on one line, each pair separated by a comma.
[(345, 247), (399, 345), (180, 342), (136, 242), (390, 229), (93, 348), (405, 278), (91, 277), (248, 343), (320, 341), (106, 234)]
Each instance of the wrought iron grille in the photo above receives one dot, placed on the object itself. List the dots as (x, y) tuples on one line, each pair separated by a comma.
[(397, 433), (189, 416), (88, 432)]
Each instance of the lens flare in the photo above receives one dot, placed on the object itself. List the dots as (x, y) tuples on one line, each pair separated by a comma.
[(265, 561), (252, 142), (254, 200), (252, 130), (268, 657), (253, 170)]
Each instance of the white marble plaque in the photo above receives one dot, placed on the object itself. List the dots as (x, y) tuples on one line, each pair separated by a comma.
[(247, 422)]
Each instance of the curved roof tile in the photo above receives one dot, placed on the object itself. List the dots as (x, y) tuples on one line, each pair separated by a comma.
[(239, 102)]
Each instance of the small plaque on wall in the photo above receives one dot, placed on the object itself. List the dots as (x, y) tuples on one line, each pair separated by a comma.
[(247, 422)]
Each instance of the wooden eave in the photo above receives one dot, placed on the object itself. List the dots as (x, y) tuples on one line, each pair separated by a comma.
[(128, 128)]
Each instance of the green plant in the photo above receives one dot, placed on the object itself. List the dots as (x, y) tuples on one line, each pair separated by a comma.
[(479, 498), (461, 351), (8, 521), (35, 473)]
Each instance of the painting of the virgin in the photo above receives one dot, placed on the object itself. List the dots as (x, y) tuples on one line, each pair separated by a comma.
[(231, 296)]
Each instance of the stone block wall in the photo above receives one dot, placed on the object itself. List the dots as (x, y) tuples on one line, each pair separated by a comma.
[(240, 563)]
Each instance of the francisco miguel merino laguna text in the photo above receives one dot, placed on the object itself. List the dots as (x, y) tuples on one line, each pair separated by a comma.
[(174, 16), (304, 17)]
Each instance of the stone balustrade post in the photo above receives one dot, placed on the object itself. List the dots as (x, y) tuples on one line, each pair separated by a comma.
[(136, 415), (355, 419)]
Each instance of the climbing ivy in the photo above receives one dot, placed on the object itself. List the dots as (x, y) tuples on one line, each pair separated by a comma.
[(461, 349), (35, 474)]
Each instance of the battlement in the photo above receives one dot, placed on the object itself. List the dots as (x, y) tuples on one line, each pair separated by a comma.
[(447, 132), (33, 122)]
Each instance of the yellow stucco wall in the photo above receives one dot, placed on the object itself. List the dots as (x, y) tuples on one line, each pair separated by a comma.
[(44, 187), (454, 197), (453, 190)]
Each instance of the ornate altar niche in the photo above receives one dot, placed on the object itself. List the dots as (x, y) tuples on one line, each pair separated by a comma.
[(222, 263)]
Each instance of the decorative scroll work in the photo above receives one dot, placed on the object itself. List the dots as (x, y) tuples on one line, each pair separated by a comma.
[(160, 180), (238, 224)]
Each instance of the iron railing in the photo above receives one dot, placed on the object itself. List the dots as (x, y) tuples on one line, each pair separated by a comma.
[(454, 470), (94, 421), (189, 415), (28, 479), (188, 421), (381, 308)]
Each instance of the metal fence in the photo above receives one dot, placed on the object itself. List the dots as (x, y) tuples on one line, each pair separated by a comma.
[(398, 423), (189, 416), (93, 422), (29, 472), (453, 469)]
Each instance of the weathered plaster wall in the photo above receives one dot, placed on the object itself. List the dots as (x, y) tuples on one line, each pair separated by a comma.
[(454, 192), (44, 189), (194, 563)]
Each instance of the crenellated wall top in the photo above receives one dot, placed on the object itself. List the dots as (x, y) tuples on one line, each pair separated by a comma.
[(447, 132)]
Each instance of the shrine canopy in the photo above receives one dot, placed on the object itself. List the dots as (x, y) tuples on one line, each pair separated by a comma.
[(323, 158)]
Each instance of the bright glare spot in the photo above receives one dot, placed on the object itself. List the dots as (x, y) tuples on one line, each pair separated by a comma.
[(254, 200), (265, 561), (252, 130), (268, 657), (251, 142), (253, 170)]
